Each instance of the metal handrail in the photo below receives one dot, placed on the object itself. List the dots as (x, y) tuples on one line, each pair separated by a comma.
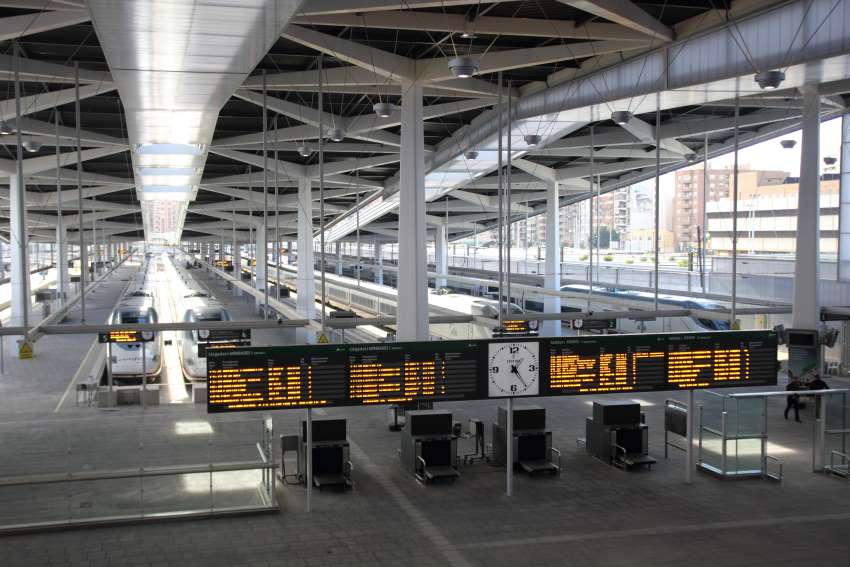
[(770, 458), (832, 466), (555, 452), (141, 472)]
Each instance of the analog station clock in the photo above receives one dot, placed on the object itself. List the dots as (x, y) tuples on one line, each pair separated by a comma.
[(513, 369)]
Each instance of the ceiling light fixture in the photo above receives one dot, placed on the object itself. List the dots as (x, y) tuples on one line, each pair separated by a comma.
[(621, 117), (788, 144), (691, 158), (5, 129), (830, 160), (383, 109), (336, 135), (769, 80), (471, 154), (304, 150), (32, 146), (464, 66), (532, 139)]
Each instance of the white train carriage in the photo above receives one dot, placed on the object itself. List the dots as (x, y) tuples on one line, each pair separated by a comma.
[(368, 299), (198, 305), (606, 299), (192, 359), (126, 358)]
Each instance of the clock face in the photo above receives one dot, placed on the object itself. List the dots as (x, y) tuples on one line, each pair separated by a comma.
[(513, 369)]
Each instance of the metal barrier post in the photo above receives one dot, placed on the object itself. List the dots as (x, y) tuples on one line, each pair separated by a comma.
[(689, 453), (309, 478), (723, 439), (144, 374), (509, 448), (109, 368)]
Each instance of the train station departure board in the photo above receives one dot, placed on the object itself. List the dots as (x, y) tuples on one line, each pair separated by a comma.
[(267, 378)]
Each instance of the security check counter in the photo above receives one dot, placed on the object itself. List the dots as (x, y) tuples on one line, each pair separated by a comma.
[(532, 444), (429, 445), (617, 435), (331, 464)]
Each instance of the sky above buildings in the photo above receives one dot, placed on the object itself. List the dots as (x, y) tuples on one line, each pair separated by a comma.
[(771, 155)]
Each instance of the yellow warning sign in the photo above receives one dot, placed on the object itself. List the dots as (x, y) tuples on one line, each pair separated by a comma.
[(323, 339), (25, 351)]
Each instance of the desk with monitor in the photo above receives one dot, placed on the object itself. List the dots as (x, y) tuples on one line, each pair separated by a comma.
[(331, 464), (532, 443), (429, 445), (617, 435)]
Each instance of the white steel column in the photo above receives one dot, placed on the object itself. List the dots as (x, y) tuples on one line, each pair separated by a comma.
[(290, 256), (552, 277), (806, 306), (306, 291), (412, 316), (237, 266), (379, 264), (261, 256), (441, 254), (63, 280), (18, 252), (338, 250), (844, 211)]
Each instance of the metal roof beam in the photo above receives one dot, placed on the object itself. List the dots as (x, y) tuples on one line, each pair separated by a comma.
[(317, 7), (437, 69), (459, 23), (49, 130), (388, 65), (646, 133), (43, 101), (34, 70), (625, 13), (28, 24)]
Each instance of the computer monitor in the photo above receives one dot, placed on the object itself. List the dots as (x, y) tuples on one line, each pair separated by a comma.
[(427, 423), (325, 430), (531, 448), (616, 413)]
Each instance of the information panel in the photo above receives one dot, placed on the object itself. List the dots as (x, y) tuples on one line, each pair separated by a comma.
[(125, 337), (254, 378)]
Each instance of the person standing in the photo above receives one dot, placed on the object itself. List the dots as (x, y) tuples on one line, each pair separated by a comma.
[(817, 383), (793, 401)]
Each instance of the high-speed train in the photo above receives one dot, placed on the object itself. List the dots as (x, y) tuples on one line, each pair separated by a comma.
[(138, 305), (368, 299), (608, 299), (198, 306)]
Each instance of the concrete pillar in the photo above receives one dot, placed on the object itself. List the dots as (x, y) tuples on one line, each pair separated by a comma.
[(338, 249), (19, 253), (441, 254), (552, 277), (63, 280), (237, 266), (806, 306), (306, 285), (412, 316), (844, 210), (261, 256), (98, 257), (379, 264)]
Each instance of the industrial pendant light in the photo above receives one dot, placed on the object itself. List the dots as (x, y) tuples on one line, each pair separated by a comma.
[(463, 66), (621, 117), (769, 80), (383, 109)]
